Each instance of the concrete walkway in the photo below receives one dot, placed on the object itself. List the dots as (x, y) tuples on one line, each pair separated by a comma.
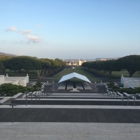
[(69, 131)]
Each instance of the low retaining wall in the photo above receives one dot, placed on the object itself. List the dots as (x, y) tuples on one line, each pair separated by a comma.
[(69, 115), (75, 102)]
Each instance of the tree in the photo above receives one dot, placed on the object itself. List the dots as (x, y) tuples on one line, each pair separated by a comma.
[(59, 63), (131, 63), (2, 68), (86, 65), (22, 63), (2, 59), (110, 66), (38, 74), (45, 65)]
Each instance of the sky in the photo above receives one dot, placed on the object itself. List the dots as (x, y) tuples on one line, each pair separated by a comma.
[(75, 29)]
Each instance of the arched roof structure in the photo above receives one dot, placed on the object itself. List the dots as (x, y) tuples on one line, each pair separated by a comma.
[(74, 75)]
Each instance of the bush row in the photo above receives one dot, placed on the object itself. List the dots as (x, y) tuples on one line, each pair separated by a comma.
[(11, 90), (112, 87)]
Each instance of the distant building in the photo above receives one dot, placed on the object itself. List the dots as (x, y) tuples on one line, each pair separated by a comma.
[(14, 80), (105, 59), (81, 62), (74, 62), (102, 59)]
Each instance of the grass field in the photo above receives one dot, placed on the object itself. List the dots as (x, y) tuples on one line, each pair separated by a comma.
[(32, 74), (90, 76), (79, 70), (117, 74), (125, 73)]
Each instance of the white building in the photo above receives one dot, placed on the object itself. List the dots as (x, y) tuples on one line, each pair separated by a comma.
[(128, 82), (75, 62), (80, 62), (14, 80)]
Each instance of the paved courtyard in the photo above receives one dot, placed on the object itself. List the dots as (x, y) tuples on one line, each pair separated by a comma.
[(69, 131)]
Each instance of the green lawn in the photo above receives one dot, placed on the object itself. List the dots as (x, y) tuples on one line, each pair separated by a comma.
[(117, 74), (32, 74), (125, 73), (79, 70)]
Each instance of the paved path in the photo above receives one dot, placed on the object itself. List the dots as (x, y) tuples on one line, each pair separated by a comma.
[(69, 131)]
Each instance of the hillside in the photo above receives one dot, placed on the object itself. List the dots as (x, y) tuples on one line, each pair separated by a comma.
[(6, 54)]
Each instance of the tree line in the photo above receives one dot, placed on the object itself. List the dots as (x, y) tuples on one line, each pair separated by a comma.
[(129, 63), (21, 64)]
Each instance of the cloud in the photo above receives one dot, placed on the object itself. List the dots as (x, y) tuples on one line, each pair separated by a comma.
[(40, 26), (25, 32), (12, 28), (31, 38), (34, 39)]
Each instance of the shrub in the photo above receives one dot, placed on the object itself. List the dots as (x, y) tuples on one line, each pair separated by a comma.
[(137, 90), (111, 84), (10, 89), (38, 84), (121, 90)]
